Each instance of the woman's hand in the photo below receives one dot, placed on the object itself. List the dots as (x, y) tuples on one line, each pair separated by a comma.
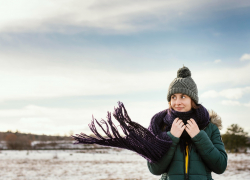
[(192, 128), (177, 127)]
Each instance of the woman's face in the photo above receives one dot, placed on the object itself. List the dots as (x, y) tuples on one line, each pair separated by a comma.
[(181, 102)]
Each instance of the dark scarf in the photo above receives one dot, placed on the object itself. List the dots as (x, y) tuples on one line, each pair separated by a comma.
[(151, 143), (200, 115)]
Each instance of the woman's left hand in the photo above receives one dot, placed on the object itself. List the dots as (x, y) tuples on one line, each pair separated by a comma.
[(192, 128)]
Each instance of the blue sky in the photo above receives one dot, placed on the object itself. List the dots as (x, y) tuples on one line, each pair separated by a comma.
[(63, 61)]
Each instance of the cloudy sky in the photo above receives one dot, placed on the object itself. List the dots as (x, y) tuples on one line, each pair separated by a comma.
[(63, 61)]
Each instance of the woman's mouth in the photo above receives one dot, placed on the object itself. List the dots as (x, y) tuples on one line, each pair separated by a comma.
[(179, 108)]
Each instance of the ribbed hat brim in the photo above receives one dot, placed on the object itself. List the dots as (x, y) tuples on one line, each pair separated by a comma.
[(183, 91)]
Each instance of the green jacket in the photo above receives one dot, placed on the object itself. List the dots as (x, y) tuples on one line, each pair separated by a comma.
[(207, 154)]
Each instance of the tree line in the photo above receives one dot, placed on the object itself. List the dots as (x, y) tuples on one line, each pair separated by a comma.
[(22, 141), (235, 139)]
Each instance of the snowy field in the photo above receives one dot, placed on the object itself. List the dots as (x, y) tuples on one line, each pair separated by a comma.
[(95, 165)]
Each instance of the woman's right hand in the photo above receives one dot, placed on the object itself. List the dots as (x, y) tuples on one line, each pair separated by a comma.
[(177, 128)]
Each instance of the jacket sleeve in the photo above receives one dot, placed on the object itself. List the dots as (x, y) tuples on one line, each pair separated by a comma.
[(211, 151), (161, 166)]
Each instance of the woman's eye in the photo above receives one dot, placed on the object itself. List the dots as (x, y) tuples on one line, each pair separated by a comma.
[(173, 97), (183, 97)]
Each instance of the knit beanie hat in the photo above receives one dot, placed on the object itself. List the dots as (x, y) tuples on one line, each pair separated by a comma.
[(183, 84)]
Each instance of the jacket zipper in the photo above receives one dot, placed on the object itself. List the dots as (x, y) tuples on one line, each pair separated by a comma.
[(189, 155), (186, 177), (189, 150), (186, 173)]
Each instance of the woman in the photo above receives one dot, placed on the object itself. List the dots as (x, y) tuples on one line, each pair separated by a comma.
[(197, 148), (182, 142)]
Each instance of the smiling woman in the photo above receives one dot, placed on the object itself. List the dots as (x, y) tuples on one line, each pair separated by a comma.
[(197, 148), (182, 142)]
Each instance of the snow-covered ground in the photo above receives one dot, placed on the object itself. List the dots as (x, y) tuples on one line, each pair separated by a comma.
[(95, 165)]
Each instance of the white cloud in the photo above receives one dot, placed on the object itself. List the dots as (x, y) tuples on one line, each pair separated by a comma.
[(234, 93), (47, 120), (55, 15), (245, 57), (234, 103), (76, 82), (31, 77), (37, 119), (247, 104), (210, 94), (28, 76), (233, 76), (217, 61), (230, 103), (64, 15)]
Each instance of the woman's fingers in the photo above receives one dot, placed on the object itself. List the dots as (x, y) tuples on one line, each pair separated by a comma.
[(193, 121), (175, 120), (182, 124), (188, 126), (183, 127), (177, 127), (190, 122), (192, 128), (179, 121)]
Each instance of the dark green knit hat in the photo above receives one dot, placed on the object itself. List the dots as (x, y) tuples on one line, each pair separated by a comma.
[(183, 84)]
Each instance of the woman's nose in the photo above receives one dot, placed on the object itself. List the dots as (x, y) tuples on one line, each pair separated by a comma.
[(178, 101)]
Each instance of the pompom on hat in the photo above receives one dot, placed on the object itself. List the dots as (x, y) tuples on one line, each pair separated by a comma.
[(183, 84)]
